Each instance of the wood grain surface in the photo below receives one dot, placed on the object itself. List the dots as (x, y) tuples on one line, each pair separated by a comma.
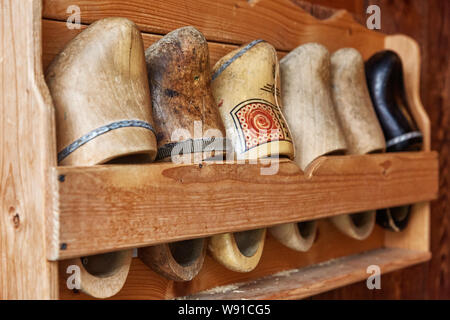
[(56, 35), (304, 282), (279, 22), (27, 150), (145, 200)]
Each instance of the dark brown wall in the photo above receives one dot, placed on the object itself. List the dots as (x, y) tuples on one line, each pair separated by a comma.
[(428, 23)]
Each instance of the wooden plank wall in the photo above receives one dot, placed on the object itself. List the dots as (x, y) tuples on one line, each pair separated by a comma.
[(428, 23)]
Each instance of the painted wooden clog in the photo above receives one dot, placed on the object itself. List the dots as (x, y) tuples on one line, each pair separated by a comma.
[(309, 110), (103, 112), (360, 126), (384, 74), (179, 76), (246, 86)]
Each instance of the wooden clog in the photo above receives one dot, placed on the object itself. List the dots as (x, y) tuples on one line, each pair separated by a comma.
[(308, 105), (179, 261), (384, 74), (246, 86), (309, 110), (395, 218), (239, 251), (297, 236), (101, 95), (180, 83), (103, 112), (360, 126), (103, 275), (179, 76)]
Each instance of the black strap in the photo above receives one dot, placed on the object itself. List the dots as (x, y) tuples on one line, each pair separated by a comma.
[(192, 146)]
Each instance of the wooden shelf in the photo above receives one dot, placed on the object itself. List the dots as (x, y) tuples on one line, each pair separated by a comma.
[(104, 208), (309, 273), (315, 279), (53, 213)]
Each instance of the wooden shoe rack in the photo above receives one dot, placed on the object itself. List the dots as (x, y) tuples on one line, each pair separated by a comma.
[(50, 213)]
